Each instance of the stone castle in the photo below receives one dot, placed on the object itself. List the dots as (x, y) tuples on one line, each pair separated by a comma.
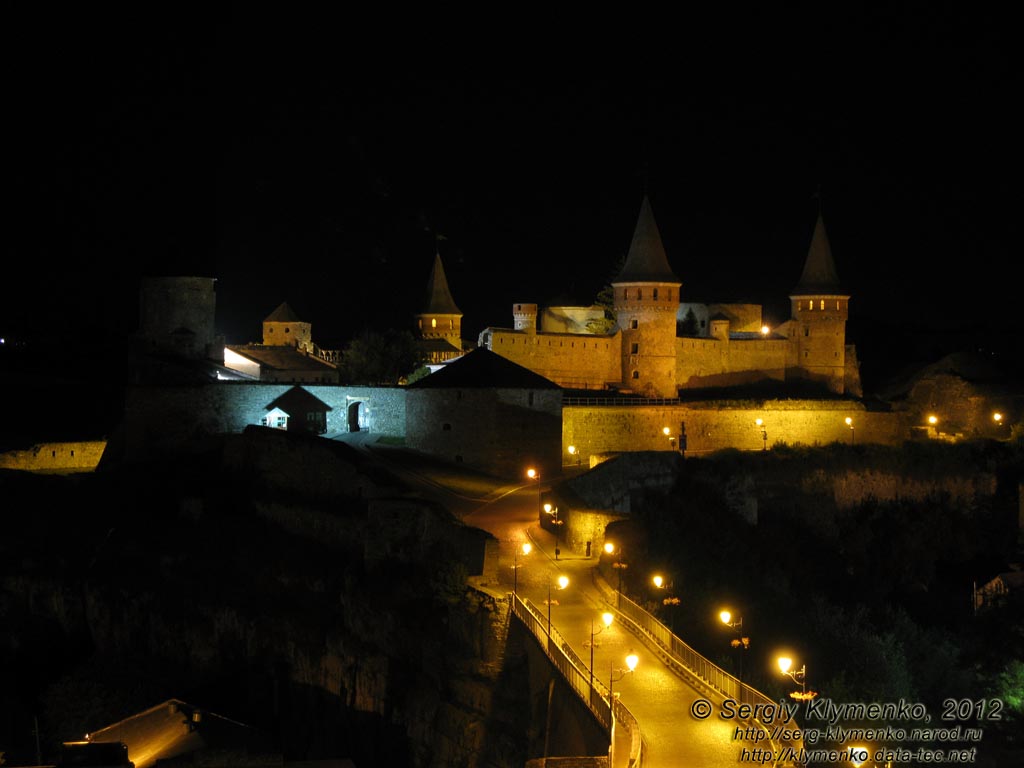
[(655, 344)]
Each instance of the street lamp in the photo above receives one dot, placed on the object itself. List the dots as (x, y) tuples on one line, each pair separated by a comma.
[(607, 618), (671, 438), (563, 582), (631, 661), (799, 676), (553, 511), (670, 601), (534, 475), (574, 451), (849, 423), (620, 566), (764, 433), (740, 642), (526, 548)]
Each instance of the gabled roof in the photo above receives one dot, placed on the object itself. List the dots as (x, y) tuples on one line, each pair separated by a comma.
[(283, 314), (481, 369), (439, 299), (819, 276), (280, 358), (298, 400), (646, 261)]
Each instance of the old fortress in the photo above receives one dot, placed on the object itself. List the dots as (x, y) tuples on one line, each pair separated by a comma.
[(564, 386)]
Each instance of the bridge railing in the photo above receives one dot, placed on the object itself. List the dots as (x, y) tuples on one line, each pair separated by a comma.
[(593, 692), (698, 666)]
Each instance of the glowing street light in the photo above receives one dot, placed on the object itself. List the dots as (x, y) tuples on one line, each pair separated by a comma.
[(552, 510), (631, 661), (671, 438), (526, 548), (997, 417), (534, 475), (563, 582), (759, 423), (740, 642), (798, 675), (618, 565), (849, 423)]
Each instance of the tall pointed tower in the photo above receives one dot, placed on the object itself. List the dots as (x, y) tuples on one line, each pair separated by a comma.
[(645, 300), (820, 309), (439, 324)]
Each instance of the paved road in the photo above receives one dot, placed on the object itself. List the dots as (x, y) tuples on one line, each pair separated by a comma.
[(658, 698)]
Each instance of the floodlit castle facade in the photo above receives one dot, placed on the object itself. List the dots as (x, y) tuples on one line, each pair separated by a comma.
[(659, 345)]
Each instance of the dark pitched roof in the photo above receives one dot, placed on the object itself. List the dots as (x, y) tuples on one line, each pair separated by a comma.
[(298, 400), (819, 274), (439, 299), (437, 345), (283, 314), (646, 261), (482, 368)]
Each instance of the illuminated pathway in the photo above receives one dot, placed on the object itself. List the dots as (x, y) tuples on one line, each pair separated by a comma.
[(658, 697)]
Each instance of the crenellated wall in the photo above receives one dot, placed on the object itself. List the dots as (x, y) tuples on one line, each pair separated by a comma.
[(573, 361)]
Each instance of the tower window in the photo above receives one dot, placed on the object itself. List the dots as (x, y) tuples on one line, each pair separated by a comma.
[(655, 296), (822, 305), (287, 329), (634, 348), (639, 293), (433, 322), (636, 374), (634, 324), (807, 331)]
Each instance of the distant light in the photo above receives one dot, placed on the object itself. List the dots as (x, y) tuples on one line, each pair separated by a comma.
[(849, 421), (572, 449), (563, 582), (785, 663), (996, 417), (932, 420), (632, 660), (759, 422), (658, 581), (527, 547), (609, 547), (765, 330), (725, 616), (531, 473), (665, 430), (607, 618)]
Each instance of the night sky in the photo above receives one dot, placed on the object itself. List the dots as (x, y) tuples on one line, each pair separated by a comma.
[(314, 159)]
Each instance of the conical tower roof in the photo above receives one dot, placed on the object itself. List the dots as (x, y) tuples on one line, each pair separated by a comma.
[(646, 261), (283, 314), (819, 276), (439, 299)]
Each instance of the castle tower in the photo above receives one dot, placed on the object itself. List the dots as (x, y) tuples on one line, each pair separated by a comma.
[(645, 301), (820, 309), (524, 317), (176, 316), (439, 325), (282, 328)]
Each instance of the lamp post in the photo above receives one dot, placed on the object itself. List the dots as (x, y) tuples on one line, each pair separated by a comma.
[(740, 642), (607, 618), (563, 582), (526, 549), (534, 475), (671, 438), (620, 566), (574, 452), (661, 583), (553, 511), (764, 433), (799, 676), (849, 423), (631, 661)]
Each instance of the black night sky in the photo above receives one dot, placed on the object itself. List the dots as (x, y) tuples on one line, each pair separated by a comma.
[(312, 158)]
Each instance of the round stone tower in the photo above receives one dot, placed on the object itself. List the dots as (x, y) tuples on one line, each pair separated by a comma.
[(645, 301), (819, 309)]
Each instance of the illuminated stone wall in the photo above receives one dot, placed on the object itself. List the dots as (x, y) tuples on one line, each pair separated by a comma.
[(159, 418), (712, 426), (709, 362), (81, 456), (573, 361)]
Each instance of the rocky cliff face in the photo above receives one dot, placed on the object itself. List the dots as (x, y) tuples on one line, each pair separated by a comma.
[(237, 590)]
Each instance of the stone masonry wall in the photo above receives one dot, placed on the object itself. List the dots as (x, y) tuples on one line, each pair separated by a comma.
[(56, 457), (576, 361)]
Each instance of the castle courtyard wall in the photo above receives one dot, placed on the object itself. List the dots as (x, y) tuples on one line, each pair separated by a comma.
[(571, 360), (716, 425), (710, 362), (68, 457)]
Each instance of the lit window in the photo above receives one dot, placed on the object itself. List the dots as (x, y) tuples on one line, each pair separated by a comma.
[(822, 305), (433, 322)]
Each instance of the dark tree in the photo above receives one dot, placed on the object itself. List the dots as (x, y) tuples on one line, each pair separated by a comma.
[(380, 357)]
